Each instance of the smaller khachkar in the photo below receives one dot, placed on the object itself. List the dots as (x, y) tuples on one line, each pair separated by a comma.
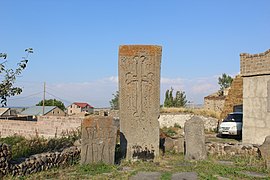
[(98, 140), (139, 100)]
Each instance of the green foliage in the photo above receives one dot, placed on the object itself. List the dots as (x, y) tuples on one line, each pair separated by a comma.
[(169, 131), (225, 81), (22, 147), (179, 100), (52, 102), (94, 169), (115, 101), (166, 176), (7, 88), (176, 125), (12, 140)]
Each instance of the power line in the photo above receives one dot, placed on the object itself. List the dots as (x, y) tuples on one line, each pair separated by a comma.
[(25, 96), (59, 98)]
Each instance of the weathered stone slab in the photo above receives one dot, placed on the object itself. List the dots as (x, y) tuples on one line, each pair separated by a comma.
[(195, 139), (185, 176), (265, 151), (254, 174), (146, 176), (98, 139), (139, 100)]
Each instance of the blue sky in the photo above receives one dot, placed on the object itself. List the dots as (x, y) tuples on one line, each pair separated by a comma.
[(76, 43)]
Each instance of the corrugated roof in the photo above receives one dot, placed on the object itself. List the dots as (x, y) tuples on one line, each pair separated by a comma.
[(37, 110), (3, 110)]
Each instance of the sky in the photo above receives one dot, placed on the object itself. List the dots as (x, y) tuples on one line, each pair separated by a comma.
[(76, 44)]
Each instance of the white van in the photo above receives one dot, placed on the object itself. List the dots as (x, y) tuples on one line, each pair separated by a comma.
[(231, 125)]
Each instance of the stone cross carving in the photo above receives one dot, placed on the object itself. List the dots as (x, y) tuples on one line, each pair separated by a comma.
[(98, 140), (139, 80)]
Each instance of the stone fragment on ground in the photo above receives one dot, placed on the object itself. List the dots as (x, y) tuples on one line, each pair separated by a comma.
[(264, 151), (146, 176), (254, 174), (185, 176), (229, 163), (221, 178)]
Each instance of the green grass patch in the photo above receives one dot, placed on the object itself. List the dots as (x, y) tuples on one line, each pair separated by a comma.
[(166, 176), (94, 169)]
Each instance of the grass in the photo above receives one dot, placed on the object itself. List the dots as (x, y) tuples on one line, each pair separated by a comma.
[(168, 165), (22, 147), (196, 111)]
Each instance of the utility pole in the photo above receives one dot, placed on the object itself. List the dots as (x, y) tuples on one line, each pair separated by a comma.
[(43, 109)]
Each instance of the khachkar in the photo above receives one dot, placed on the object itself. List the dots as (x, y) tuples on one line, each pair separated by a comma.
[(139, 100)]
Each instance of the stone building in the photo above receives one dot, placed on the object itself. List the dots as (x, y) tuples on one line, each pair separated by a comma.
[(255, 70), (215, 102)]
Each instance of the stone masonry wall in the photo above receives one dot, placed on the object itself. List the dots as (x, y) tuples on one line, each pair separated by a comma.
[(214, 103), (36, 163), (255, 64), (255, 69), (256, 115), (46, 126), (169, 120), (234, 98)]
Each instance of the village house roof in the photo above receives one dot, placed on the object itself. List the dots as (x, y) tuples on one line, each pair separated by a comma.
[(83, 105), (38, 110), (3, 110)]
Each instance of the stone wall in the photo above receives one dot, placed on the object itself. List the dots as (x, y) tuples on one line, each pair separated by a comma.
[(256, 115), (234, 98), (255, 69), (36, 163), (169, 120), (214, 103), (255, 64), (46, 126), (229, 149)]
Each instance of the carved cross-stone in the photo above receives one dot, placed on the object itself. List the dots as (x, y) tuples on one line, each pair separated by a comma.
[(139, 80), (98, 139)]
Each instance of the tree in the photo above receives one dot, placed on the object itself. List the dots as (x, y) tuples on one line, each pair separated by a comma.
[(179, 100), (224, 81), (115, 101), (52, 102), (167, 99), (7, 88)]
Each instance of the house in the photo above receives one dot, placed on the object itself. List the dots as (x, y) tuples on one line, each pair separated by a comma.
[(79, 108), (48, 111), (10, 111), (4, 112)]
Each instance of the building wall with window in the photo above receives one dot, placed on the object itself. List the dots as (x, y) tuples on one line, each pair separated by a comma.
[(56, 112), (79, 108), (255, 70)]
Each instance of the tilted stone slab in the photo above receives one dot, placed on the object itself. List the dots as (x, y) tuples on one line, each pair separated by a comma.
[(98, 140), (195, 139), (265, 151), (139, 100)]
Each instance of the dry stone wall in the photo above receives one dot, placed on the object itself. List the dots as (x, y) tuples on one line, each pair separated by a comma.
[(36, 163), (5, 157), (229, 149), (170, 120)]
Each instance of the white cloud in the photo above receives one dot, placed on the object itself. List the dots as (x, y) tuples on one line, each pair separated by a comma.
[(99, 92)]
